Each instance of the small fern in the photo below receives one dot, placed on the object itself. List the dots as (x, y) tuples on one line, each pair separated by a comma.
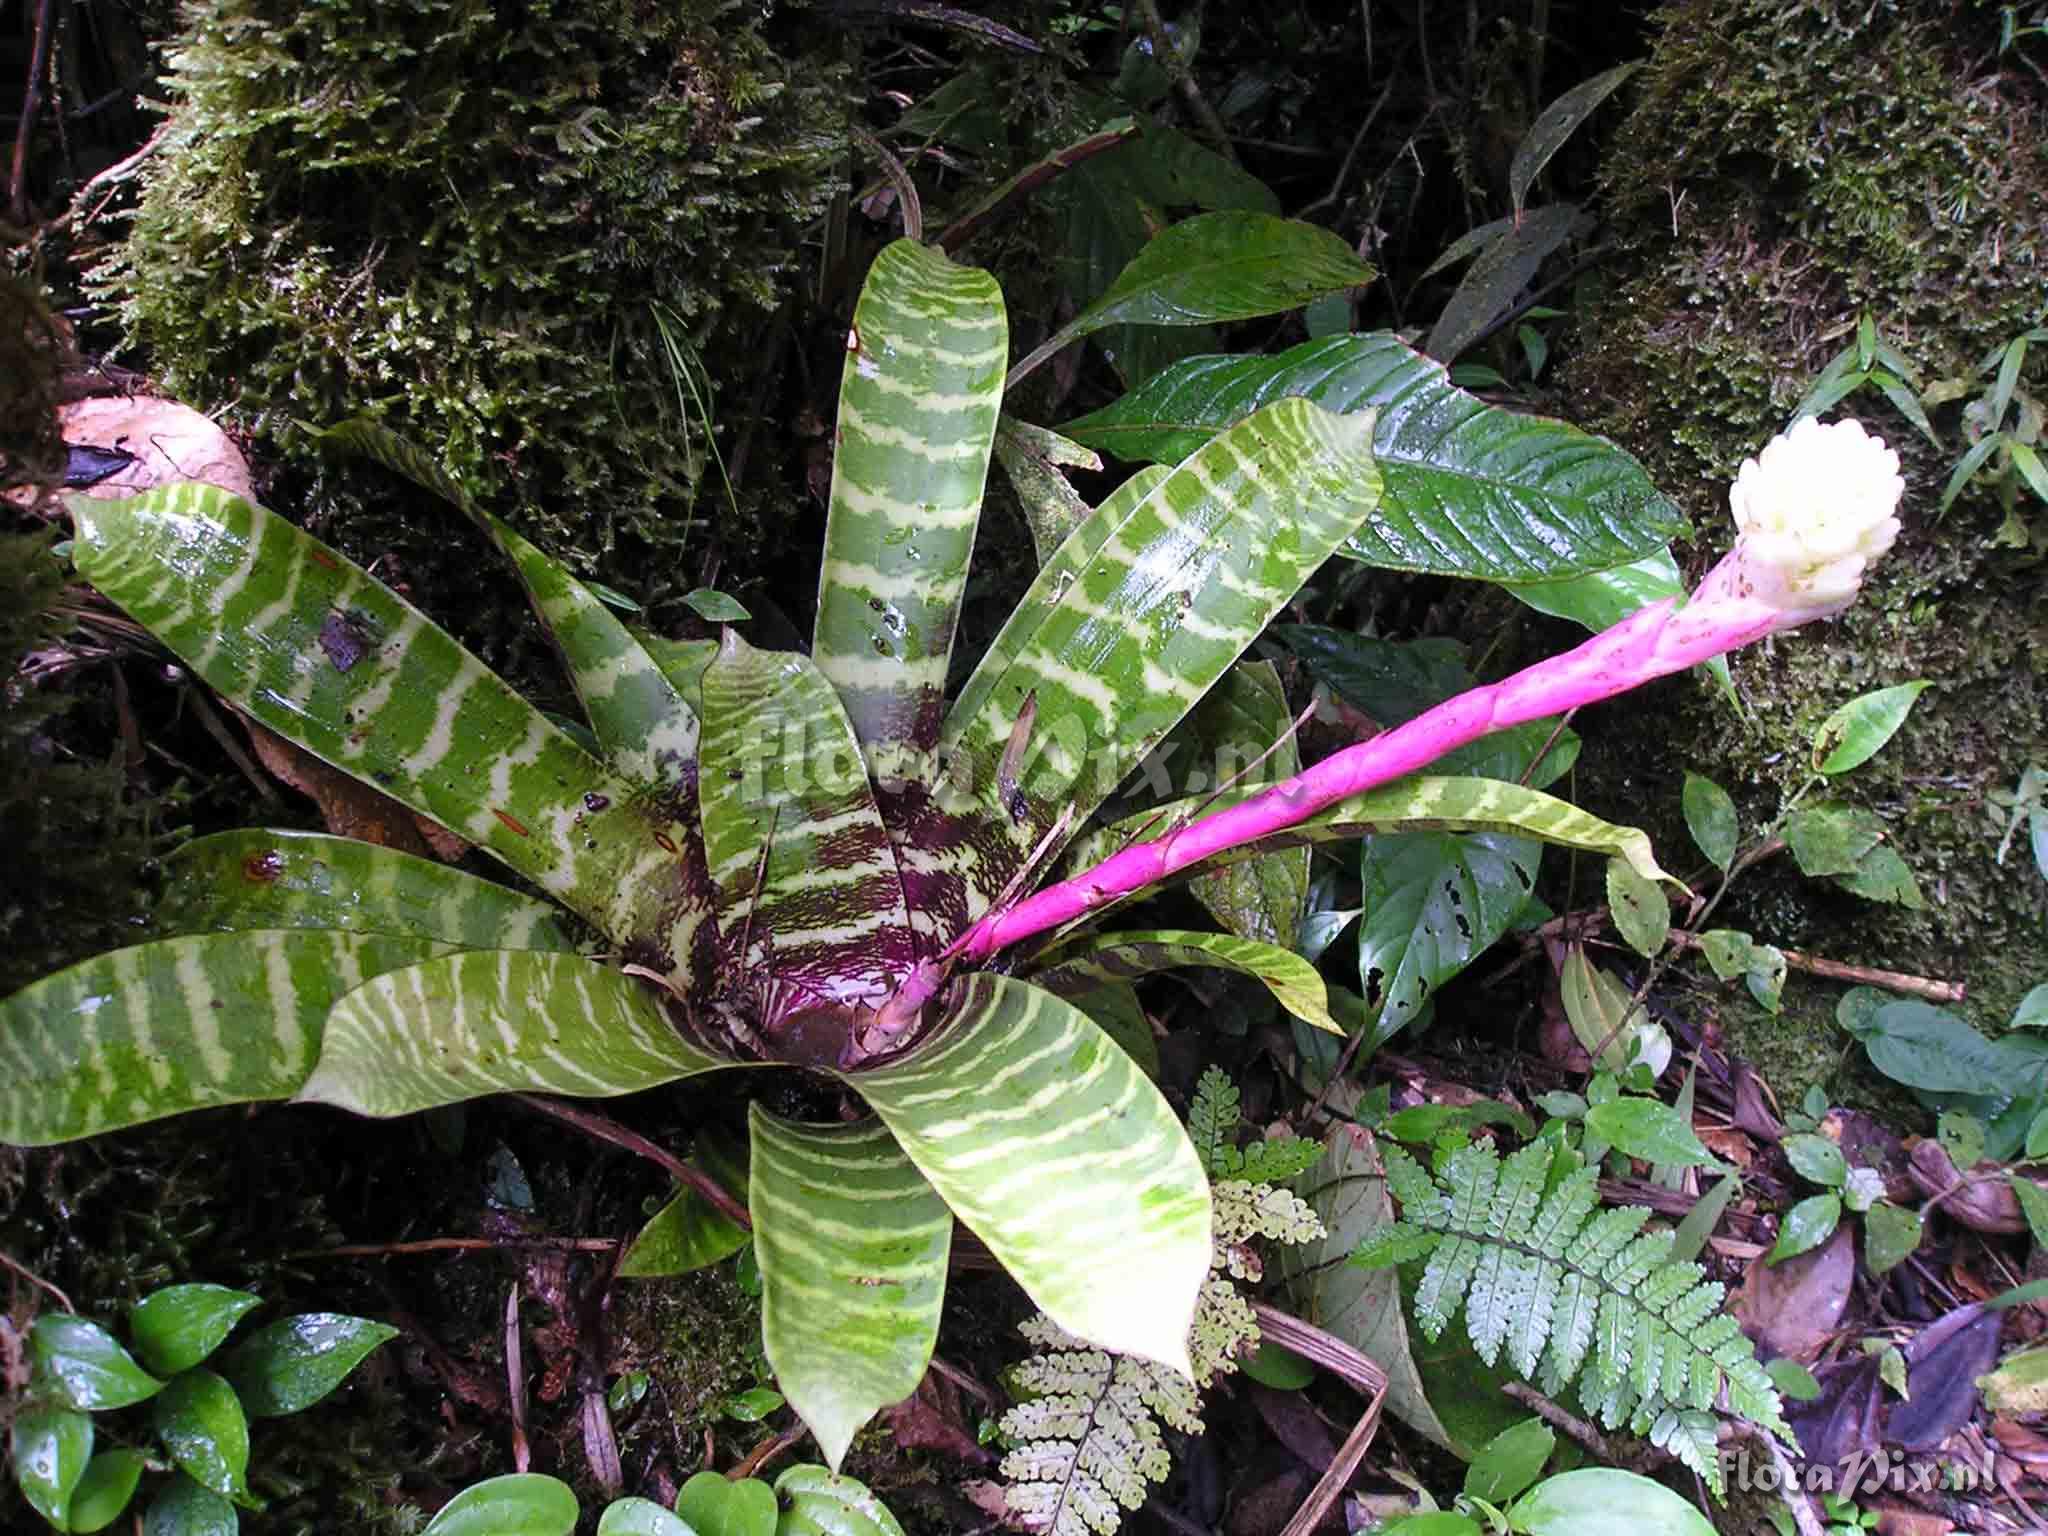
[(1574, 1294), (1086, 1436)]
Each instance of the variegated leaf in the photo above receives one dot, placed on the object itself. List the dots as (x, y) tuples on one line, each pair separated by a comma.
[(1077, 969), (917, 415), (176, 1025), (1167, 600), (330, 658), (853, 1245), (801, 862), (642, 723), (1048, 1141), (497, 1021), (267, 879)]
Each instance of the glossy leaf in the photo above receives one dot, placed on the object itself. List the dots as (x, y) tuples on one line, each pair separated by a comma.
[(646, 730), (110, 1480), (1603, 1501), (1507, 259), (918, 402), (799, 857), (503, 1021), (1170, 597), (184, 1508), (1641, 910), (1817, 1160), (176, 1025), (1601, 599), (853, 1245), (1556, 123), (1077, 969), (87, 1364), (1805, 1227), (816, 1503), (1060, 1154), (1471, 489), (686, 1234), (294, 1362), (1648, 1129), (641, 1517), (274, 879), (179, 1326), (200, 1422), (1710, 817), (517, 1504), (50, 1448), (1853, 734), (712, 1504), (1511, 1461), (332, 660), (1605, 1018)]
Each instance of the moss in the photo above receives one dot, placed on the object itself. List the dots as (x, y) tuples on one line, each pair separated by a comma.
[(1782, 170)]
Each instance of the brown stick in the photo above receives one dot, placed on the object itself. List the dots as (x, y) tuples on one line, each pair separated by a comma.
[(1840, 970), (31, 104), (1183, 79), (1333, 1354), (766, 1452), (1029, 180), (606, 1129)]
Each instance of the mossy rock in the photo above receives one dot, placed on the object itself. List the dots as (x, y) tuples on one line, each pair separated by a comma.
[(472, 219), (1782, 171)]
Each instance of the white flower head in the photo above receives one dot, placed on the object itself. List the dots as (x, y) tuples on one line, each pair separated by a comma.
[(1813, 510)]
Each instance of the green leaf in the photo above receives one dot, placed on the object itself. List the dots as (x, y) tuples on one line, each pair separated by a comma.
[(1167, 601), (87, 1364), (1032, 457), (853, 1245), (1604, 1016), (1077, 969), (1817, 1160), (506, 1021), (1438, 1522), (51, 1448), (1641, 910), (1650, 1130), (1765, 977), (294, 1362), (517, 1504), (1853, 734), (1060, 1154), (332, 660), (1273, 1365), (275, 879), (1881, 875), (200, 1422), (175, 1025), (750, 1406), (1728, 951), (110, 1480), (1792, 1379), (1601, 599), (1512, 251), (1806, 1226), (715, 607), (1119, 1015), (2033, 1205), (1434, 902), (1690, 1236), (712, 1504), (1934, 1051), (816, 1503), (179, 1326), (2037, 1137), (184, 1508), (918, 401), (1710, 817), (1512, 1460), (2032, 1012), (1831, 839), (1601, 1501), (1471, 489), (689, 1233), (640, 1517), (1556, 123)]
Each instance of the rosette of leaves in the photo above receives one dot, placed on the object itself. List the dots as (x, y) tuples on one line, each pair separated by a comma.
[(199, 1402), (745, 853), (1086, 1436)]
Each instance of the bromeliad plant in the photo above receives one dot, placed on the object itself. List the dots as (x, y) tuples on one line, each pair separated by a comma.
[(814, 862)]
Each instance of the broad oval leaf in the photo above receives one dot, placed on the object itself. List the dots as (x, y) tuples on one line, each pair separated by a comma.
[(110, 1480), (334, 661), (815, 1502), (1890, 1234), (1818, 1160), (184, 1508), (294, 1362), (852, 1244), (641, 1517), (1710, 817), (1511, 1461), (1048, 1141), (1078, 969), (1641, 910), (918, 402), (1853, 734), (200, 1422), (51, 1448), (1471, 489), (180, 1024), (1601, 1501), (275, 879), (503, 1021), (517, 1504), (87, 1363), (686, 1234), (713, 1504), (179, 1326), (1649, 1129), (1805, 1227)]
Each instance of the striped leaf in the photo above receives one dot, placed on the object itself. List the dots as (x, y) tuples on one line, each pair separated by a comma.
[(331, 659), (917, 415), (263, 879), (176, 1025), (797, 851), (1048, 1141), (645, 729), (853, 1245), (1471, 489), (1077, 969), (497, 1021), (1167, 600)]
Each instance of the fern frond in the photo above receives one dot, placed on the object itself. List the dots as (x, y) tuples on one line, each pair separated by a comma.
[(1573, 1295), (1213, 1121)]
